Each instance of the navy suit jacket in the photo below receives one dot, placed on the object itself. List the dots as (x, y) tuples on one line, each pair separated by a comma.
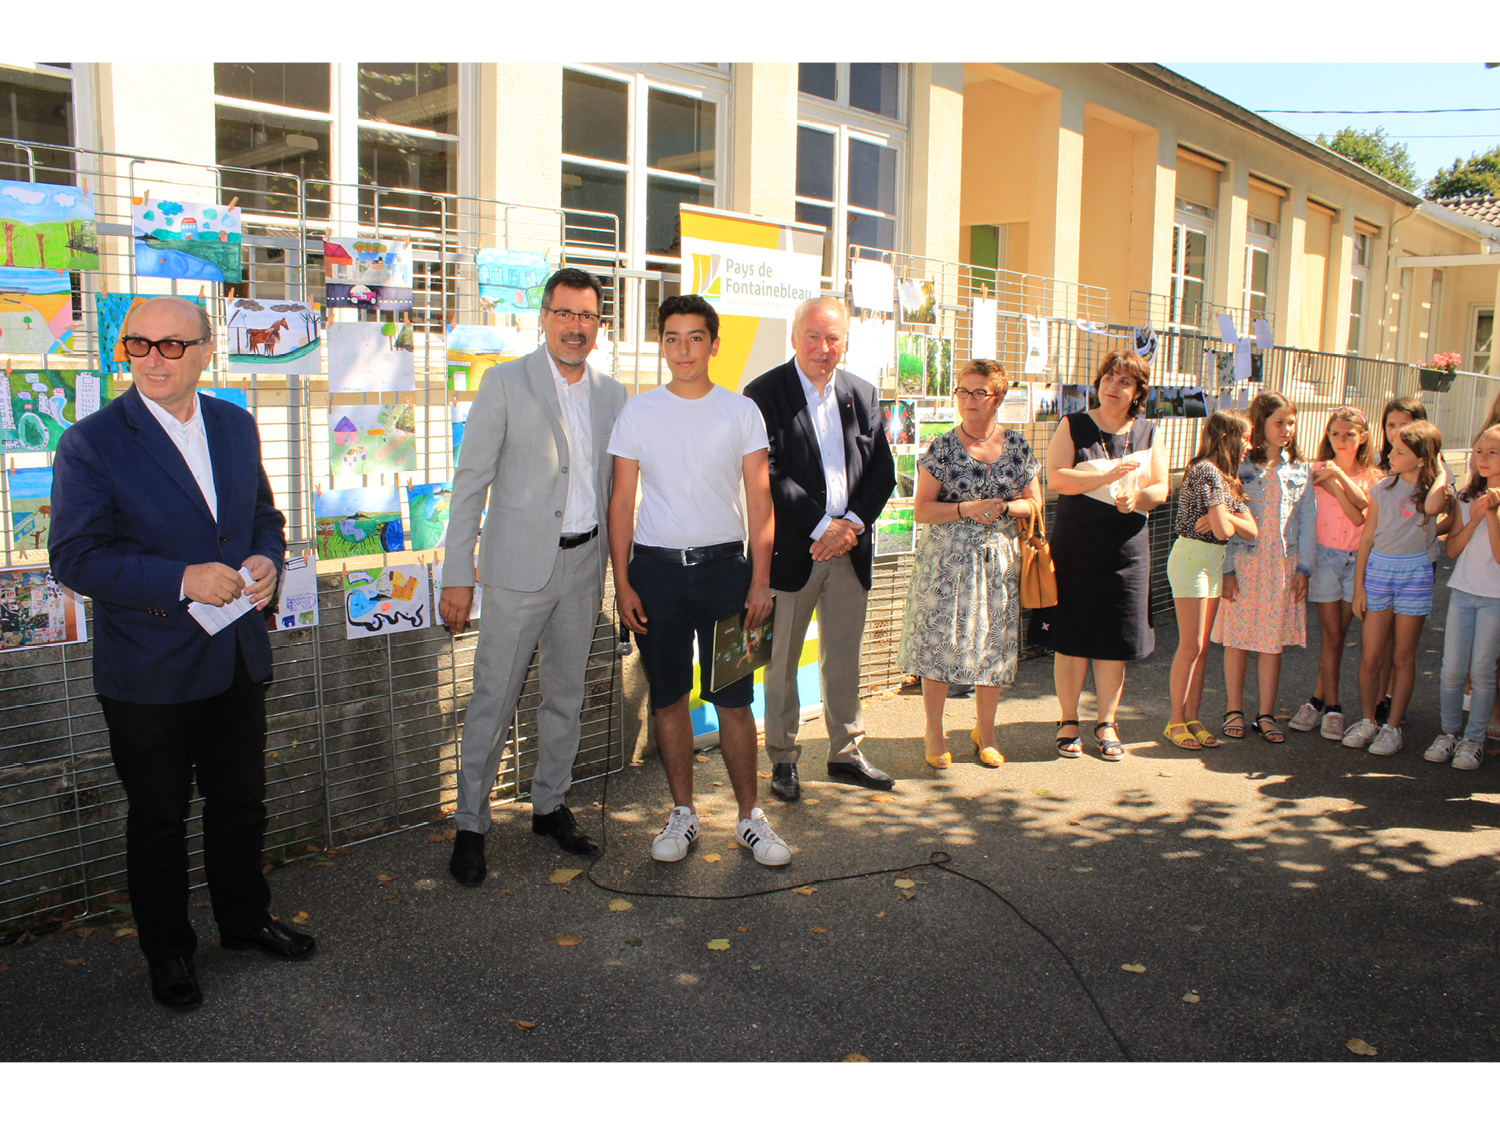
[(128, 518), (799, 490)]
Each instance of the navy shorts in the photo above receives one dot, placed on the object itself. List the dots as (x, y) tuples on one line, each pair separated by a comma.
[(680, 602)]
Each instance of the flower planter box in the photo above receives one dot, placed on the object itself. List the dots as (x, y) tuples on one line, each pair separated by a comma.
[(1436, 379)]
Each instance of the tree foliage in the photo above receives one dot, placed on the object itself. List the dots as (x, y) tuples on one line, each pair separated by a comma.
[(1478, 175), (1372, 149)]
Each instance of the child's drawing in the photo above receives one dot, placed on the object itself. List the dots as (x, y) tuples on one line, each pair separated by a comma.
[(370, 356), (37, 406), (282, 336), (372, 439), (47, 226), (198, 241), (358, 521), (427, 509), (30, 508), (368, 273), (36, 311), (393, 599)]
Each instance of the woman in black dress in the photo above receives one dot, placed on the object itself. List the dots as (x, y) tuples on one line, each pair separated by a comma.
[(1100, 547)]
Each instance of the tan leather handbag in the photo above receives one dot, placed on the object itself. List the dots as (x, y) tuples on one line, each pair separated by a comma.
[(1038, 578)]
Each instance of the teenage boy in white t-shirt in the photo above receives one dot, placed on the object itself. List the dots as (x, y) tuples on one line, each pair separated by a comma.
[(680, 565)]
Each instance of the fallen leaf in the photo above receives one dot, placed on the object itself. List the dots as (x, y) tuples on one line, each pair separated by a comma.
[(1075, 822), (322, 863), (342, 851), (700, 757), (1196, 929), (743, 929), (735, 844), (718, 783), (811, 801), (621, 904), (1042, 792), (85, 931), (908, 895), (881, 914), (435, 838), (1191, 998), (634, 940), (390, 898), (425, 884), (523, 1025), (28, 937), (908, 883), (1162, 773), (1360, 1047), (820, 929), (882, 798), (4, 966), (712, 857), (803, 890), (719, 943), (1136, 968), (569, 939), (383, 879), (122, 932), (755, 967), (74, 961), (763, 776), (302, 918), (564, 875), (855, 1058)]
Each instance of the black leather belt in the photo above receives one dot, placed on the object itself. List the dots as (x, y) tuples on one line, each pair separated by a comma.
[(568, 542), (690, 556)]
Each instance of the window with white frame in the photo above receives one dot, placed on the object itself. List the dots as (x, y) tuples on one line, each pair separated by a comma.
[(1359, 284), (275, 121), (850, 163), (36, 104), (1192, 246), (637, 145), (408, 139), (1260, 265), (1482, 339)]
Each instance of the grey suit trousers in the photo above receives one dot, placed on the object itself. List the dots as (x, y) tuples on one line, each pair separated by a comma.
[(834, 591), (561, 617)]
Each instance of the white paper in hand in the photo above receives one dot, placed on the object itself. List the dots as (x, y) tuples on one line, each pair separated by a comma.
[(213, 618), (1136, 478)]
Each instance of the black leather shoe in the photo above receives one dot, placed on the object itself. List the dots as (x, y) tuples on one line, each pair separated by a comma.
[(784, 781), (560, 825), (467, 863), (858, 771), (274, 940), (174, 984)]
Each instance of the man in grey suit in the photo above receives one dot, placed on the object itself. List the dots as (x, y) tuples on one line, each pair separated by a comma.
[(534, 459)]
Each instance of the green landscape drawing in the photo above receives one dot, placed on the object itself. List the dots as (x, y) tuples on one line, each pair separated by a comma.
[(37, 406), (246, 359)]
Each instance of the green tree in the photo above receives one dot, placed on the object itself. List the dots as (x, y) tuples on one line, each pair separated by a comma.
[(1478, 175), (1372, 149)]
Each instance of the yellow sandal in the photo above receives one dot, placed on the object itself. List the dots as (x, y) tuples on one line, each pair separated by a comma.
[(1202, 734), (1186, 739), (937, 761), (987, 755)]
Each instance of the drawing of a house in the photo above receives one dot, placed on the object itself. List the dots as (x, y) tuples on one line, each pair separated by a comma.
[(188, 227), (344, 431)]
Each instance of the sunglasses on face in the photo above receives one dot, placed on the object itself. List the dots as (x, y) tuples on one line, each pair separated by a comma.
[(138, 347)]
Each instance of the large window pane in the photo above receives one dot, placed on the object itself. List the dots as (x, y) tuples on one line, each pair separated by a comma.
[(1260, 270), (594, 117), (874, 86), (275, 149), (593, 189), (1356, 311), (817, 216), (872, 177), (1195, 264), (397, 160), (297, 85), (417, 95), (820, 79), (871, 230), (663, 228), (680, 134), (38, 108), (815, 163)]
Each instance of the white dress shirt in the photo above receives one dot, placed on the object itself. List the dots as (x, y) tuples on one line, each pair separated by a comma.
[(580, 513), (191, 440), (824, 411)]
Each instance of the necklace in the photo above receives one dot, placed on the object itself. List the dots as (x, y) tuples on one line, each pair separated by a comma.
[(980, 441)]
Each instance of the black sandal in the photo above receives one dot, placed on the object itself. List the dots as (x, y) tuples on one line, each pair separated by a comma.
[(1110, 749), (1070, 747), (1266, 734), (1233, 730)]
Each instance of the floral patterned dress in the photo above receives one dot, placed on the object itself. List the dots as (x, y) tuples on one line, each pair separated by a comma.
[(963, 610), (1264, 617)]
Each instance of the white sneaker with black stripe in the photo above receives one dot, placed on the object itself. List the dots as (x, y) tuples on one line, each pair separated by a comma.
[(673, 841), (756, 833)]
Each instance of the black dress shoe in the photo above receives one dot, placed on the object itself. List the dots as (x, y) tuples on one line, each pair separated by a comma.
[(274, 940), (174, 984), (858, 771), (560, 825), (784, 781), (467, 863)]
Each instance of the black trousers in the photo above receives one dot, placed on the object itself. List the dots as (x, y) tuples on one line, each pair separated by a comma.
[(157, 749)]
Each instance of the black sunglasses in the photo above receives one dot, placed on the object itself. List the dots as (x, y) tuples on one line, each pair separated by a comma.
[(138, 347)]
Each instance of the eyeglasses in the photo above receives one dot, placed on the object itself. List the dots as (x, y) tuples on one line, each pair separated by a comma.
[(139, 347), (977, 396), (567, 316)]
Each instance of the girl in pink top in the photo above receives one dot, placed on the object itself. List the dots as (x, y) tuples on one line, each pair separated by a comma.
[(1342, 476)]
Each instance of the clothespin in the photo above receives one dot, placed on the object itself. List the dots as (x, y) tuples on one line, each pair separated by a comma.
[(202, 292), (104, 284), (145, 196), (346, 572), (233, 202), (319, 490)]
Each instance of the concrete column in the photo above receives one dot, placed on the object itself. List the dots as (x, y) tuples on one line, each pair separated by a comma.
[(1229, 255), (935, 160), (763, 140), (1287, 299), (1340, 288), (1163, 210), (520, 133), (1057, 184), (1146, 223)]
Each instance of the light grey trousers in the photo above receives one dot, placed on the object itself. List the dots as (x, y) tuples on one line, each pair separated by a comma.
[(834, 591), (561, 617)]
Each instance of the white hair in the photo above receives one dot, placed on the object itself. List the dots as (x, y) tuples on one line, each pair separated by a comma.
[(826, 302)]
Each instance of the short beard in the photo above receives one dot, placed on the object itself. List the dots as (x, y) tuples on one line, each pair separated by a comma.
[(557, 359)]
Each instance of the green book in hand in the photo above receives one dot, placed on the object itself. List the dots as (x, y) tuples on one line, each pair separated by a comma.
[(738, 651)]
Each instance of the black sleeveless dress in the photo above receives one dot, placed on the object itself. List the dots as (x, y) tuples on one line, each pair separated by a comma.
[(1103, 562)]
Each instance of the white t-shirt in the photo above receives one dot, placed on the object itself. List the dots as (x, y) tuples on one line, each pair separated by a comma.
[(691, 453), (1475, 571)]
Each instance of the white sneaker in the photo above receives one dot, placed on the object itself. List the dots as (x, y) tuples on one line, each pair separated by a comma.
[(1306, 717), (1360, 734), (756, 833), (1387, 742), (1333, 726), (1469, 755), (1441, 749), (673, 841)]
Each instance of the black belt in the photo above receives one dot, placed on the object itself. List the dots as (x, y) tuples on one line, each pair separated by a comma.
[(690, 556), (568, 542)]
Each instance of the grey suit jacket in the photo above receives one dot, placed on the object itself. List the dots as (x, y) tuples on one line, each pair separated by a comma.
[(514, 468)]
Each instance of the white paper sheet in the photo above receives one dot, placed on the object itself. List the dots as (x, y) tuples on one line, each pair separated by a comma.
[(215, 618), (874, 285), (984, 324), (1226, 329), (1136, 478), (1036, 345), (1262, 334), (1242, 367)]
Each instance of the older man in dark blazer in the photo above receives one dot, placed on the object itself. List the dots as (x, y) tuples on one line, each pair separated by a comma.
[(831, 474), (159, 500)]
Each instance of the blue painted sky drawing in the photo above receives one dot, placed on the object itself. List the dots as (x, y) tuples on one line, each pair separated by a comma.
[(44, 203), (30, 484)]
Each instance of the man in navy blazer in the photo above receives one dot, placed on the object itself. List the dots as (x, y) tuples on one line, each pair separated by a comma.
[(831, 474), (158, 501)]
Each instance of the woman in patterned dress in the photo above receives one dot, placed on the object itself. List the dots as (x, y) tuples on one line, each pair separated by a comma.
[(1100, 547), (963, 610)]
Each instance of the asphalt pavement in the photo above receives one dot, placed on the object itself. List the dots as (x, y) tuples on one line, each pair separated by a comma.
[(1282, 901)]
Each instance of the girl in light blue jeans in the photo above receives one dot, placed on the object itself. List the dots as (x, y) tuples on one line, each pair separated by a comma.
[(1472, 639)]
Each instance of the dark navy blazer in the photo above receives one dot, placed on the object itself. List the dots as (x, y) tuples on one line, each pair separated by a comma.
[(128, 518)]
